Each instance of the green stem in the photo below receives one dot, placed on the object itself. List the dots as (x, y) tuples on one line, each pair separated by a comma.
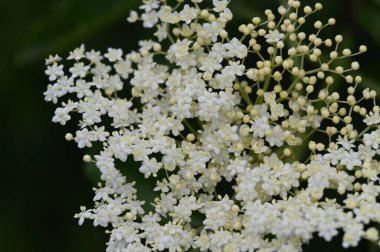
[(245, 96), (310, 133), (188, 125), (268, 78), (363, 132), (200, 123), (265, 88)]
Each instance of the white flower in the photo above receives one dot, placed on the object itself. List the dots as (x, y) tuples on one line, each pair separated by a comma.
[(54, 71), (350, 160), (123, 68), (180, 48), (149, 19), (276, 137), (84, 138), (228, 75), (210, 31), (149, 5), (150, 167), (372, 139), (82, 88), (210, 64), (208, 106), (188, 14), (77, 54), (274, 36), (373, 118), (85, 214), (90, 113), (347, 144), (79, 70), (61, 115), (220, 5), (236, 49), (167, 16), (258, 146), (133, 17), (114, 54), (52, 59), (94, 56), (161, 32)]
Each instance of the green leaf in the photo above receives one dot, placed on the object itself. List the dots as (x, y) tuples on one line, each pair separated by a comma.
[(82, 28), (369, 21), (243, 10), (376, 2)]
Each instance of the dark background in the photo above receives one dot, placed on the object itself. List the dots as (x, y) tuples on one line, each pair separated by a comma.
[(43, 181)]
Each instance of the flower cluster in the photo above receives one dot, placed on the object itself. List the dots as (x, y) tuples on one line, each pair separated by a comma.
[(251, 147)]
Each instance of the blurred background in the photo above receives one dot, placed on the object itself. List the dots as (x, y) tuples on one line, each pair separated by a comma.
[(43, 180)]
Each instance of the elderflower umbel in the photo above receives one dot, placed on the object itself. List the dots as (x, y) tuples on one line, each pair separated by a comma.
[(239, 152)]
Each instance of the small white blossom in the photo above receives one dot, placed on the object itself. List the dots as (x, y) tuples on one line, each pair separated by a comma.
[(149, 19), (114, 54), (274, 36), (54, 71), (220, 5), (188, 14), (180, 49), (133, 17), (373, 118), (52, 59), (149, 5), (348, 145), (77, 54), (94, 56), (79, 70)]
